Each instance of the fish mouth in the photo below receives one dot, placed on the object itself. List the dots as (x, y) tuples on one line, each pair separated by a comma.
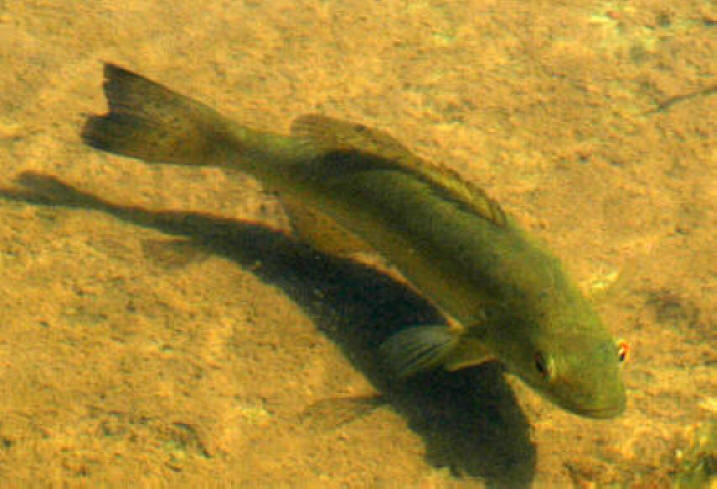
[(605, 407), (600, 412)]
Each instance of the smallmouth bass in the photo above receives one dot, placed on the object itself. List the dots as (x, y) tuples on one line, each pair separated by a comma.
[(347, 187)]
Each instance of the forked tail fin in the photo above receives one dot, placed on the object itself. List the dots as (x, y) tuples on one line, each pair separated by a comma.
[(151, 122)]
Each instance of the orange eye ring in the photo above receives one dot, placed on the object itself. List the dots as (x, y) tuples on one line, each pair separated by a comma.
[(623, 351)]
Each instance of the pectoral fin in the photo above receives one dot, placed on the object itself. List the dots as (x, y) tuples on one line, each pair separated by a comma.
[(423, 348), (418, 349)]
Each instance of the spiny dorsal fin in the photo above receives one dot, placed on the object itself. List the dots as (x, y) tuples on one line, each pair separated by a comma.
[(336, 134)]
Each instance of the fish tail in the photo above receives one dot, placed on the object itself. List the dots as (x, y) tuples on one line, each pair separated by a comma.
[(151, 122)]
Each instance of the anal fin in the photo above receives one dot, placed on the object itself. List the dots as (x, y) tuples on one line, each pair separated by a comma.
[(322, 232)]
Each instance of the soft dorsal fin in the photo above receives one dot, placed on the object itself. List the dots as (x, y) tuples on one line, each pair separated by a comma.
[(337, 134), (332, 133)]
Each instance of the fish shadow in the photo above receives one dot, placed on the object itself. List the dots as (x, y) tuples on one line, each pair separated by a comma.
[(470, 419)]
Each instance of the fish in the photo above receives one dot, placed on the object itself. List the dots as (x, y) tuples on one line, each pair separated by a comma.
[(349, 188)]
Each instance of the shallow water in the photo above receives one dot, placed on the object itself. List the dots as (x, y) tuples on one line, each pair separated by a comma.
[(161, 325)]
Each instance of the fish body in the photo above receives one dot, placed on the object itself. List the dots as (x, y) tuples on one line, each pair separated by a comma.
[(345, 184)]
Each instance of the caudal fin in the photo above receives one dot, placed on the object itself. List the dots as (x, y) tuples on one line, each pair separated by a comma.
[(151, 122)]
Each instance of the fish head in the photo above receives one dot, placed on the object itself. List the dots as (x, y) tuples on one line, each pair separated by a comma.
[(571, 359), (581, 373)]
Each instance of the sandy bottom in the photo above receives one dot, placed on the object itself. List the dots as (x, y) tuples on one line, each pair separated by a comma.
[(161, 325)]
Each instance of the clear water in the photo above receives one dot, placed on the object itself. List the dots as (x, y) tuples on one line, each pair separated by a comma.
[(161, 326)]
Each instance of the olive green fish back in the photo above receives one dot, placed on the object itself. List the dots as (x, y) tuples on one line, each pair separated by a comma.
[(334, 134)]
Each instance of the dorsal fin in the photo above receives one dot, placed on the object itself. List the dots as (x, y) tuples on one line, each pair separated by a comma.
[(332, 134)]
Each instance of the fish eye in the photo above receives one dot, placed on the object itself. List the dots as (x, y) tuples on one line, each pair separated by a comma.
[(623, 351), (541, 365)]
